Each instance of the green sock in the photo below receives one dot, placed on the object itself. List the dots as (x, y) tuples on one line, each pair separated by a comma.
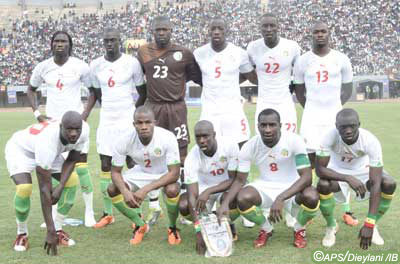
[(384, 204), (105, 180), (22, 201), (85, 180), (131, 213), (172, 209), (306, 214), (67, 200), (254, 214), (327, 207), (233, 214)]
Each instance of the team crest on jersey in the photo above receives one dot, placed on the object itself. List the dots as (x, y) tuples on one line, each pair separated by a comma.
[(157, 152), (360, 153), (223, 159), (285, 152), (178, 55), (285, 53)]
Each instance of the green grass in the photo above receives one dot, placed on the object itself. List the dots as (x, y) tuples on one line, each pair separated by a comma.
[(111, 245)]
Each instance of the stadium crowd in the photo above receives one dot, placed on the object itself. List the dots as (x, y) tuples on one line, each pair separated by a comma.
[(369, 36)]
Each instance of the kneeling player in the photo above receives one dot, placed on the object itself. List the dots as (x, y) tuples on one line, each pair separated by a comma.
[(210, 169), (39, 148), (351, 157), (156, 154), (285, 180)]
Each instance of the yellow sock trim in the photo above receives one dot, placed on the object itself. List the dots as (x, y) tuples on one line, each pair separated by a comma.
[(253, 208), (232, 211), (81, 165), (73, 180), (325, 196), (105, 174), (387, 196), (117, 199), (310, 209), (172, 201), (24, 190)]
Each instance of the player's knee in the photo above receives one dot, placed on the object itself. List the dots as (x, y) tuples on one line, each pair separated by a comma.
[(24, 190), (172, 190), (184, 205), (72, 181), (324, 186), (310, 197), (105, 167), (388, 185), (245, 197), (112, 190)]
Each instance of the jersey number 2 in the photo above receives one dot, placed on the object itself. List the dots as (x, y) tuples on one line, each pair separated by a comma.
[(268, 68)]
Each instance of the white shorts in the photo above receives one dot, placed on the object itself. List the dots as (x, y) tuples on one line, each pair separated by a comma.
[(20, 161), (136, 179), (233, 125), (286, 110), (314, 134), (269, 191), (106, 135), (345, 189)]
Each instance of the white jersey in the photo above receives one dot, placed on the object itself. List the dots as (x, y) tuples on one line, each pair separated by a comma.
[(154, 158), (210, 171), (220, 77), (116, 80), (366, 151), (323, 78), (274, 68), (42, 142), (63, 84), (278, 164)]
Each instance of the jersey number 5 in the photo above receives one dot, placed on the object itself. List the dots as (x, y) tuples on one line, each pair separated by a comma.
[(160, 72), (217, 71)]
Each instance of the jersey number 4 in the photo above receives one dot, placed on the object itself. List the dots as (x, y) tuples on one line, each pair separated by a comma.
[(160, 72), (59, 84), (322, 76)]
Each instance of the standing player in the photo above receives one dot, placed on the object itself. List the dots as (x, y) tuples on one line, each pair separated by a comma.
[(63, 76), (285, 180), (351, 157), (156, 153), (167, 67), (274, 57), (39, 148), (221, 63), (210, 169), (325, 75), (114, 76)]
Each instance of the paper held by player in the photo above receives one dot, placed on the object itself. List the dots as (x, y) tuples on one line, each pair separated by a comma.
[(218, 238)]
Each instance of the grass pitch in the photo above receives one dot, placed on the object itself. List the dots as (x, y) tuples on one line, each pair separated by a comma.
[(111, 245)]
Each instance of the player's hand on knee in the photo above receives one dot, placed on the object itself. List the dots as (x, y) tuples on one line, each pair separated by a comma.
[(140, 195), (365, 237), (275, 213), (50, 245), (200, 244), (130, 200), (222, 211), (357, 186), (202, 201)]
